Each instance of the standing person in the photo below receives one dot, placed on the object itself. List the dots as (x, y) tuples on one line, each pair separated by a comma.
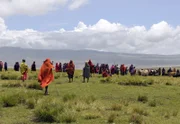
[(5, 66), (23, 70), (1, 65), (45, 76), (57, 67), (60, 67), (16, 66), (33, 66), (70, 70), (86, 72)]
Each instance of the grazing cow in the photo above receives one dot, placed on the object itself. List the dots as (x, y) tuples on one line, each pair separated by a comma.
[(143, 72)]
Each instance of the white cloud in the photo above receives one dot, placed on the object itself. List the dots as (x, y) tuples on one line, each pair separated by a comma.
[(161, 38), (77, 3), (35, 7), (2, 25)]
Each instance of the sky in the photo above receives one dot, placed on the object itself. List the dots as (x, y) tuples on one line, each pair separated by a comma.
[(128, 26)]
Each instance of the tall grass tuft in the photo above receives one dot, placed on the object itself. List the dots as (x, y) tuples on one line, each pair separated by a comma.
[(152, 103), (111, 118), (136, 119), (14, 84), (116, 107), (142, 98), (69, 97), (31, 103), (34, 85), (90, 99), (90, 116), (10, 76), (140, 111), (68, 116), (9, 101), (48, 111)]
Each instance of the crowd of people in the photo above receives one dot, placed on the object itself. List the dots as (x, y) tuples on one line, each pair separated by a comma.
[(45, 75)]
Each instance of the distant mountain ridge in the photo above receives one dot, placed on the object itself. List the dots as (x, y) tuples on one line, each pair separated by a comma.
[(13, 54)]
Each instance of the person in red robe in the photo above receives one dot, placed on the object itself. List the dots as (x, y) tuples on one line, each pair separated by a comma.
[(57, 67), (45, 76), (70, 70)]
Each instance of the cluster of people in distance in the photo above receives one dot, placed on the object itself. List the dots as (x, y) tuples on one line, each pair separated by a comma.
[(45, 75)]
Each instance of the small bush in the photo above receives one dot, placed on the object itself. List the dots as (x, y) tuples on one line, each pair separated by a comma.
[(68, 116), (140, 111), (90, 99), (90, 116), (152, 103), (13, 84), (168, 83), (106, 80), (136, 81), (142, 98), (34, 85), (136, 119), (9, 101), (68, 97), (10, 76), (49, 112), (31, 103), (111, 118), (167, 115), (116, 107), (175, 113), (80, 106)]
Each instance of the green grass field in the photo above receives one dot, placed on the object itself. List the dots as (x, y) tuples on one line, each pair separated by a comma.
[(118, 99)]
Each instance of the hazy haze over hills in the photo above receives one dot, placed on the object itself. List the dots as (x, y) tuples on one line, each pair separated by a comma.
[(13, 54)]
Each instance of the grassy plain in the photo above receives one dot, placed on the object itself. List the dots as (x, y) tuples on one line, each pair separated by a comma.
[(117, 99)]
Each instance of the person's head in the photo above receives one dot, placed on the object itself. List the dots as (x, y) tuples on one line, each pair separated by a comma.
[(86, 64), (23, 60), (71, 61), (34, 62)]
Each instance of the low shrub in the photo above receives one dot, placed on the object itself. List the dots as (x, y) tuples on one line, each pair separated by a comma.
[(90, 99), (49, 112), (136, 119), (68, 116), (136, 81), (34, 85), (68, 97), (142, 98), (152, 103), (31, 103), (140, 111), (13, 84), (111, 118), (90, 116), (107, 80), (10, 76), (175, 113), (116, 107), (9, 101)]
